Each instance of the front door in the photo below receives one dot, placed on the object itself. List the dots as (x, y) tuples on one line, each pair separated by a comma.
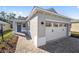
[(18, 27)]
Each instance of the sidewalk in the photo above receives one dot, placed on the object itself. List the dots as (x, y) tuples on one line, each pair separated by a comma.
[(26, 46)]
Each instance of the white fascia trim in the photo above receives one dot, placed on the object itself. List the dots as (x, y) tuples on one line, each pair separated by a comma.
[(56, 21)]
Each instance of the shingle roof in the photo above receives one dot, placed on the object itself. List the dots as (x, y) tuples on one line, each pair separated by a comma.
[(52, 10), (41, 10)]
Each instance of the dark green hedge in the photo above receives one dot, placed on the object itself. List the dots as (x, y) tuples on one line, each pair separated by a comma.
[(6, 31), (75, 34)]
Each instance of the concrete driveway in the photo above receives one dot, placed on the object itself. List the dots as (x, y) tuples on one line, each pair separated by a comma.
[(66, 45)]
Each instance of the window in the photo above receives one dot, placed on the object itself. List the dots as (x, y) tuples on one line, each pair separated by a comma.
[(55, 25), (48, 24), (24, 25)]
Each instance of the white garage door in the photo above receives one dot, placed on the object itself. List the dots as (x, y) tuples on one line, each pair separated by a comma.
[(55, 30)]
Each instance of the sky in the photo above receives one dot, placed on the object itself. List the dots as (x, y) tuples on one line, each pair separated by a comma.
[(70, 11)]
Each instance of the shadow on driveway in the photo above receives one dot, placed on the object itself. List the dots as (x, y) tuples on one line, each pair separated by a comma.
[(66, 45)]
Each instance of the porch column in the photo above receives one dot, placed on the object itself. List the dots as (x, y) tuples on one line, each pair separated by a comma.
[(26, 27), (14, 27), (68, 29)]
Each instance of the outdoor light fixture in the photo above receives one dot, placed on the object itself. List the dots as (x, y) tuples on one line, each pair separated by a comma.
[(42, 23)]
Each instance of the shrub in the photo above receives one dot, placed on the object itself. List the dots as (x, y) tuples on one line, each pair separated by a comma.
[(75, 34)]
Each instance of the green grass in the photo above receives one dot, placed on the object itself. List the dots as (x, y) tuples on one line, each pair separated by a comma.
[(75, 34), (6, 35)]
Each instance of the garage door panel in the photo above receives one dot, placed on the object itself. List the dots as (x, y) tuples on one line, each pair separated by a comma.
[(53, 33)]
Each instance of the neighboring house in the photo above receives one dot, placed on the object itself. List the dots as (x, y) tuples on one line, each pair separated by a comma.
[(46, 26), (5, 25), (75, 26)]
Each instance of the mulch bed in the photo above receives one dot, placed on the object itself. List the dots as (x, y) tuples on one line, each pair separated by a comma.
[(8, 46)]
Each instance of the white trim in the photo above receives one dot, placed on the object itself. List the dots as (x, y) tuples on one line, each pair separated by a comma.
[(56, 21), (35, 41)]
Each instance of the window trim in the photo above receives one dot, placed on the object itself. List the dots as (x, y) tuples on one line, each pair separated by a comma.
[(55, 25), (48, 24)]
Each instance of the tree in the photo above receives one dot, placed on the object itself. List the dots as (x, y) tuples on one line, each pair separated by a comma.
[(3, 14), (19, 17), (12, 16)]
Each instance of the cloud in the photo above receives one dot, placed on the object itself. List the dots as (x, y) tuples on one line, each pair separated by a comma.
[(77, 6), (18, 13)]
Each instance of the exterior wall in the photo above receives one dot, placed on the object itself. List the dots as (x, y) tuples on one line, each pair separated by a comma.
[(75, 27), (23, 29), (60, 20), (45, 32), (6, 27), (41, 30), (37, 30), (34, 30), (57, 19)]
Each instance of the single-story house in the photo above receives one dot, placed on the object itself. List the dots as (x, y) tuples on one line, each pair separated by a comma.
[(75, 25), (19, 26), (5, 25), (46, 26)]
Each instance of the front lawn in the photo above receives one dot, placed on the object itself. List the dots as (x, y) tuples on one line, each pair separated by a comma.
[(75, 34), (8, 44), (7, 34)]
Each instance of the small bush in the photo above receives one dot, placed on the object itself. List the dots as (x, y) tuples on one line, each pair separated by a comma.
[(6, 31), (75, 34)]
